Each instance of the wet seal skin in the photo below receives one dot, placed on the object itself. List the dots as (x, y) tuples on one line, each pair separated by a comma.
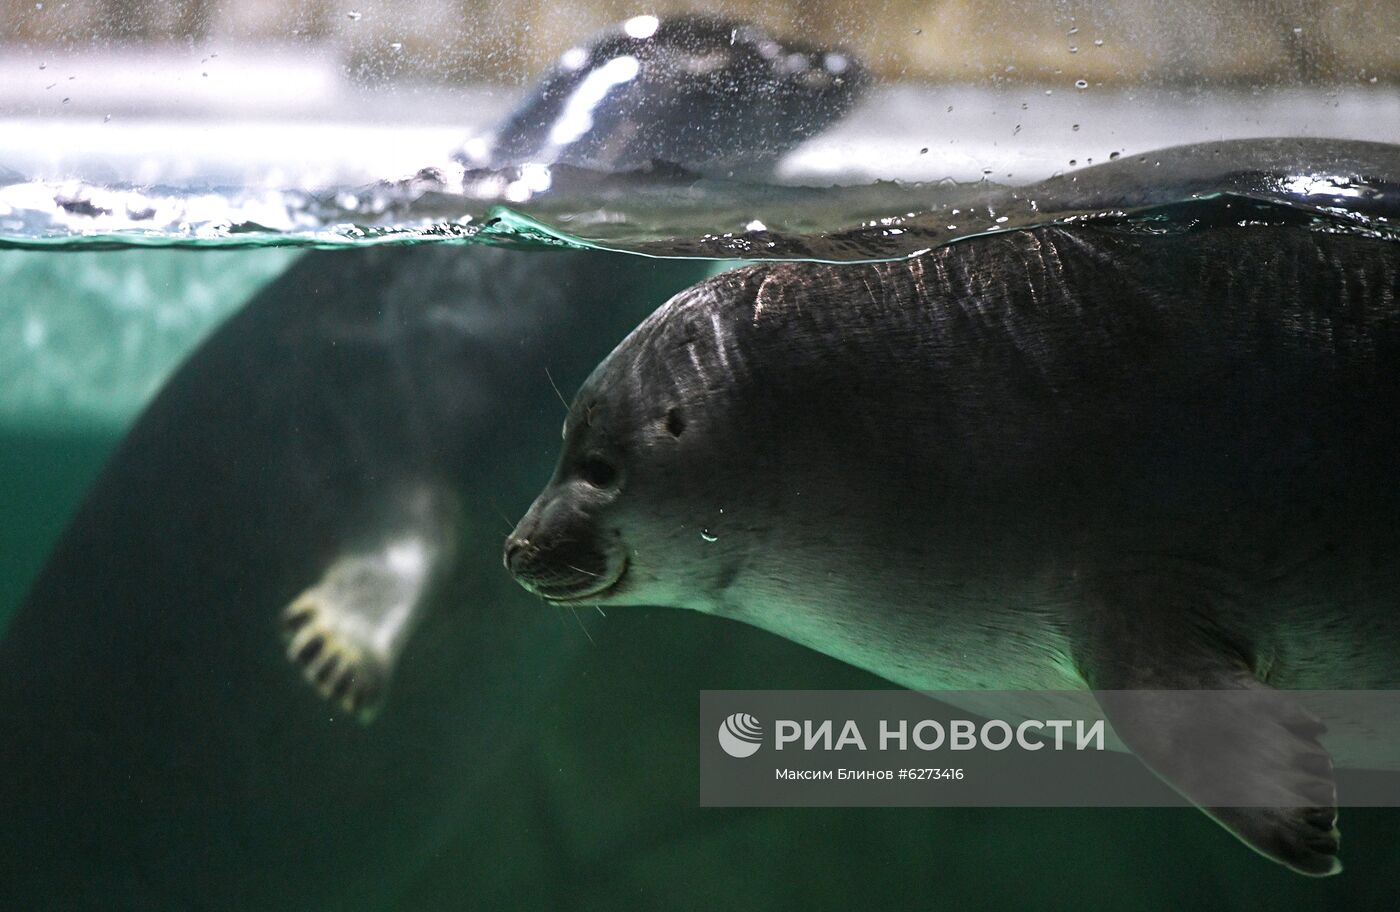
[(273, 664), (705, 94), (1060, 458)]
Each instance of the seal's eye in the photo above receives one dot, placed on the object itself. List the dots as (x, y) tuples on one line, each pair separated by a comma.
[(597, 471), (675, 424)]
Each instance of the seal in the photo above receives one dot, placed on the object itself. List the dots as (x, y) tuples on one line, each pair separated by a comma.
[(1106, 457), (706, 94), (317, 493)]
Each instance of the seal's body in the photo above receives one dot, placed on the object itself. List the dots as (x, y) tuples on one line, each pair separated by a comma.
[(1065, 457)]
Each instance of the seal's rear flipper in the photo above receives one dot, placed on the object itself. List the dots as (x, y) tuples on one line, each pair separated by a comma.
[(346, 632), (1188, 705)]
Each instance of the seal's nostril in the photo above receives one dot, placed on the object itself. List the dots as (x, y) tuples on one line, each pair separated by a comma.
[(513, 548)]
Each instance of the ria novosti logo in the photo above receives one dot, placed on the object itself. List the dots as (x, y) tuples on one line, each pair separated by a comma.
[(740, 735)]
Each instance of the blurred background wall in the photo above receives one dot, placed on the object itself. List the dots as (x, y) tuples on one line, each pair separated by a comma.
[(1261, 42)]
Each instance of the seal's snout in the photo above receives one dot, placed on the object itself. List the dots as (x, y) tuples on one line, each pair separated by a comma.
[(557, 553), (516, 548)]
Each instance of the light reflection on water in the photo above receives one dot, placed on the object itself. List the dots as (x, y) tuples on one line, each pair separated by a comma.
[(899, 164)]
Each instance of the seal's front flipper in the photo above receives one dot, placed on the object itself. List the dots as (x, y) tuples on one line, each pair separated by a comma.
[(1249, 758), (1189, 705), (346, 632)]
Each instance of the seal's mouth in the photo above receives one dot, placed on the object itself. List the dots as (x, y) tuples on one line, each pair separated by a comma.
[(591, 589)]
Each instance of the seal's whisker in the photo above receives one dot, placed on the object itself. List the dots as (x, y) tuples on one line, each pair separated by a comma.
[(502, 513), (556, 388), (583, 571), (581, 626), (599, 609), (557, 614)]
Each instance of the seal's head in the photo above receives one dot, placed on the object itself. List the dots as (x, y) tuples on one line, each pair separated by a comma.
[(642, 477), (736, 452)]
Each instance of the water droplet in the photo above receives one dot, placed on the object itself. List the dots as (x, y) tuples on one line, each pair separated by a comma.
[(1073, 49), (43, 66), (1098, 42), (1081, 84), (396, 46), (1074, 127), (353, 16), (1001, 220), (66, 100), (1298, 31), (950, 109), (918, 31), (924, 150), (1112, 155), (1073, 162), (106, 118), (1049, 91), (1074, 30), (708, 536)]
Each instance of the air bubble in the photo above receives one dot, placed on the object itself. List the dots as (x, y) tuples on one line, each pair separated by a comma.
[(708, 536), (1081, 84)]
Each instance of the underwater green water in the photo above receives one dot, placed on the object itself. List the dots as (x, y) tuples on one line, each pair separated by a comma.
[(43, 476), (597, 808)]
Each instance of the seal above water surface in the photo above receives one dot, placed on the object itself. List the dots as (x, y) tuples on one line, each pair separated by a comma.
[(1134, 460), (700, 92)]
